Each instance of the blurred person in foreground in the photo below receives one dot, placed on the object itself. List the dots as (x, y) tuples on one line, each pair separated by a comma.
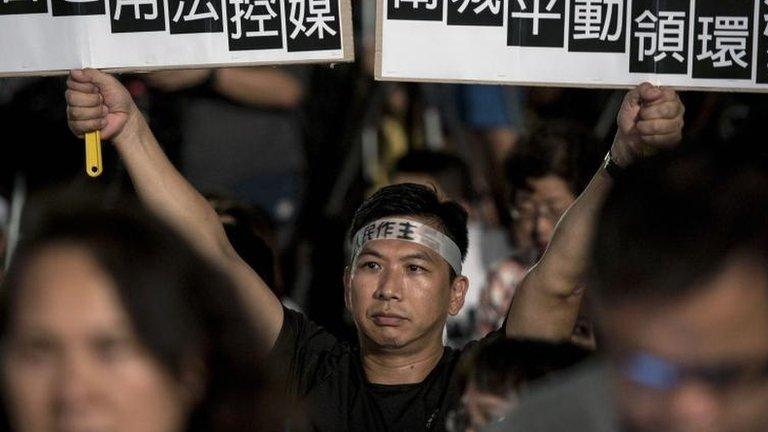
[(498, 374), (403, 279), (110, 322), (680, 280)]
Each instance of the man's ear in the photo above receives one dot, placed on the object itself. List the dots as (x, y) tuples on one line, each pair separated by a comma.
[(459, 288), (348, 287)]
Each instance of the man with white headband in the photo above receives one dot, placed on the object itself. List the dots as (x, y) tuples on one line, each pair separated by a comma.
[(402, 281)]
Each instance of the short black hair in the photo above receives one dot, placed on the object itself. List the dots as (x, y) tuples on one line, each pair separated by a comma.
[(449, 171), (178, 304), (672, 221), (409, 199)]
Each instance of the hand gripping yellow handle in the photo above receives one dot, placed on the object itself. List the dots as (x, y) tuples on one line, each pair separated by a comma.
[(93, 154)]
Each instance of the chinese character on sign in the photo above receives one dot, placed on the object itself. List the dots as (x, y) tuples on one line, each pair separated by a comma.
[(763, 77), (494, 6), (195, 16), (259, 11), (723, 39), (313, 25), (254, 24), (137, 15), (77, 7), (536, 23), (765, 18), (536, 15), (319, 18), (422, 10), (590, 23), (149, 13), (730, 41), (659, 38), (597, 26), (13, 7), (428, 4), (476, 12), (762, 43)]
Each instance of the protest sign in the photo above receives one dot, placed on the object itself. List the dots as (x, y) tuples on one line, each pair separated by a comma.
[(46, 37), (699, 44)]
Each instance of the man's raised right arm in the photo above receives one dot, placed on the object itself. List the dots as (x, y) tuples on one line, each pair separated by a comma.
[(97, 101)]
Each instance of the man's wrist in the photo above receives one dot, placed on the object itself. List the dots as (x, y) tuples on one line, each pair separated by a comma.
[(610, 166), (621, 152), (131, 129)]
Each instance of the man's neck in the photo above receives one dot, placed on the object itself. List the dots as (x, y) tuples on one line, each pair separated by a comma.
[(390, 367)]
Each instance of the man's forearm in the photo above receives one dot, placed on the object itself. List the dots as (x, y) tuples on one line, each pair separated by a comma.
[(165, 191), (547, 302)]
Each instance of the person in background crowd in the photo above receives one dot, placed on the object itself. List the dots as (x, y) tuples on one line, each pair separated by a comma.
[(109, 321), (498, 373), (252, 234), (450, 176), (495, 113), (680, 283), (240, 134), (545, 176), (404, 275)]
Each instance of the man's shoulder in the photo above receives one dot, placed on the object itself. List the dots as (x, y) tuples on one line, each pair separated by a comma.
[(578, 401), (299, 333)]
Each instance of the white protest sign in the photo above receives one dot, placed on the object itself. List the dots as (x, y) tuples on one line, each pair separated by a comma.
[(698, 44), (53, 36)]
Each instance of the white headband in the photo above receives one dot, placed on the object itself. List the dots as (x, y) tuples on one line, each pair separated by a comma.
[(411, 231)]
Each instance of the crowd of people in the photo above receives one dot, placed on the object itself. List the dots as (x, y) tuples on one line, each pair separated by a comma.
[(463, 258)]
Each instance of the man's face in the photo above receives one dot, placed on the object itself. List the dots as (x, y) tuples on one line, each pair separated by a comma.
[(400, 294), (536, 211), (716, 342)]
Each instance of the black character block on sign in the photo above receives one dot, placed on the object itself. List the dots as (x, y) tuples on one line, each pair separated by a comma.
[(476, 12), (195, 16), (659, 37), (598, 26), (536, 23), (723, 39), (418, 10), (18, 7), (77, 7), (313, 25), (130, 16), (254, 24), (762, 44)]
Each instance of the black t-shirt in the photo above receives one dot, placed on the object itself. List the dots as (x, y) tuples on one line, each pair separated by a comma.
[(327, 376)]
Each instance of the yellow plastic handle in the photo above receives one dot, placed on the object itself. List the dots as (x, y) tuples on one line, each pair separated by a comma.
[(93, 154)]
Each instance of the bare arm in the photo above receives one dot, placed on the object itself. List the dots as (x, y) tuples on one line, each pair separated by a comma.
[(97, 101), (548, 299)]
